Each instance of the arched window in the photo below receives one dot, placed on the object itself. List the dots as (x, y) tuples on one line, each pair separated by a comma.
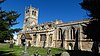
[(27, 11), (50, 39), (60, 33), (72, 32), (43, 37), (26, 20), (34, 39), (34, 13)]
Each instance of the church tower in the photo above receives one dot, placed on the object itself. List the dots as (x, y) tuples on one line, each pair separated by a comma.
[(31, 17)]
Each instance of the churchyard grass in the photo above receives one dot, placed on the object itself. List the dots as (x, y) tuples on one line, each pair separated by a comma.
[(16, 50)]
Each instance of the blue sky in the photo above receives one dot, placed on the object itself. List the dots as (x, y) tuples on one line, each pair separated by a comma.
[(49, 10)]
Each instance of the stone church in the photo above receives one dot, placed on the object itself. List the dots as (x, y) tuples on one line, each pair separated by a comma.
[(56, 34)]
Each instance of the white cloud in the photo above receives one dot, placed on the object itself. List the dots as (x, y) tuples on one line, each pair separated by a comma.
[(15, 36)]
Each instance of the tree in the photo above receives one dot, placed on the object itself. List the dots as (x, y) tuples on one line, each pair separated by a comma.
[(7, 20), (92, 29), (2, 1)]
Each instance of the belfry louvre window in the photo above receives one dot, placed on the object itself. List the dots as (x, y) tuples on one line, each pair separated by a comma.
[(43, 37), (34, 13), (27, 11)]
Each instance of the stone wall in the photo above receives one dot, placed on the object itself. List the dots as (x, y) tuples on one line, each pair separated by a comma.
[(87, 46)]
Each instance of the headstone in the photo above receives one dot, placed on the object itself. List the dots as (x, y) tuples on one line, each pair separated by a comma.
[(65, 54), (48, 52), (11, 43), (36, 53)]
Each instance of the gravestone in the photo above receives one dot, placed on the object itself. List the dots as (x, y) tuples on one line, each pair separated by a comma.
[(65, 54)]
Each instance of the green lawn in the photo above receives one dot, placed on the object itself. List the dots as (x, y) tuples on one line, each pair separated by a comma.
[(17, 51)]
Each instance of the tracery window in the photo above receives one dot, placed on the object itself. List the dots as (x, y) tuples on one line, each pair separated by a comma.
[(43, 37), (73, 33), (60, 33)]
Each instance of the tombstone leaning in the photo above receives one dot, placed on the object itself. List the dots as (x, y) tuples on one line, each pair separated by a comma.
[(65, 54)]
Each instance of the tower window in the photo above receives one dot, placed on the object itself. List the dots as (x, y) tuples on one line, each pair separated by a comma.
[(26, 20), (27, 11), (34, 13)]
